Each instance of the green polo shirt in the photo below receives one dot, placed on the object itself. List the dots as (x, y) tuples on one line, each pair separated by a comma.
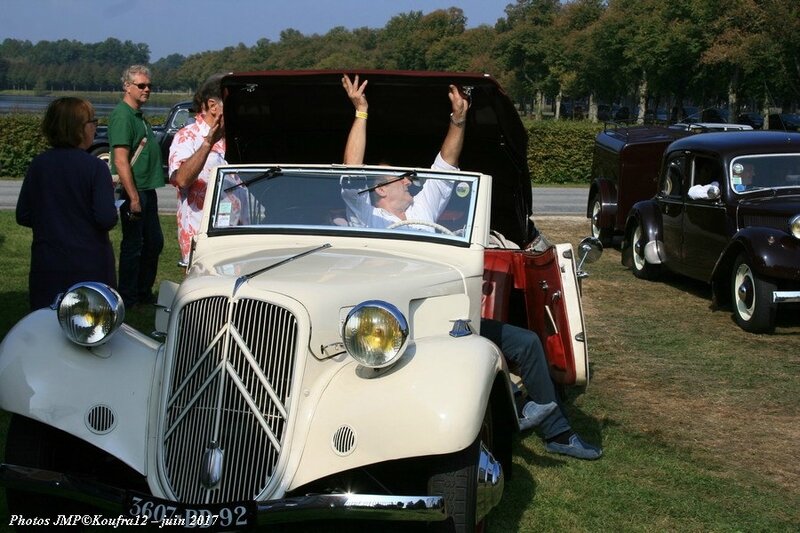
[(127, 127)]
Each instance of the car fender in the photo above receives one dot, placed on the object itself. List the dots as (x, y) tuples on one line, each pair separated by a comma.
[(608, 201), (771, 253), (48, 378), (648, 215), (446, 384)]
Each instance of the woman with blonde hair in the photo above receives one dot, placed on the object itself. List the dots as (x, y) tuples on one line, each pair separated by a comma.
[(67, 198)]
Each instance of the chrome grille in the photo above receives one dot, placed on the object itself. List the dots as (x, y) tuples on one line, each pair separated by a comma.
[(229, 388)]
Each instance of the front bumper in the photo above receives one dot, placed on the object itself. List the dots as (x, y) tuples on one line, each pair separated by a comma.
[(780, 297), (314, 506)]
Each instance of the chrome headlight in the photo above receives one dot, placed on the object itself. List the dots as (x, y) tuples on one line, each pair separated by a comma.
[(794, 226), (375, 333), (90, 313)]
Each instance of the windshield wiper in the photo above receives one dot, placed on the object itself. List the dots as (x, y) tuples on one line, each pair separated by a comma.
[(269, 174), (246, 277), (411, 175)]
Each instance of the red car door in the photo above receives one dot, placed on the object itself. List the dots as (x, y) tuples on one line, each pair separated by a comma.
[(540, 291)]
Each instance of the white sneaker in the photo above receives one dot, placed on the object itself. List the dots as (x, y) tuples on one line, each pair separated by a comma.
[(534, 413)]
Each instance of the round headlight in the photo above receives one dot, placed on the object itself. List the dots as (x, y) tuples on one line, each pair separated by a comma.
[(375, 333), (794, 227), (90, 313)]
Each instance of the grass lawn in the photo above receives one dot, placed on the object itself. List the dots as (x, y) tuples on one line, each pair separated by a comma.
[(698, 419)]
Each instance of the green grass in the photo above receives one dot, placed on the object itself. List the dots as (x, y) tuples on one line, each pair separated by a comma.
[(698, 419)]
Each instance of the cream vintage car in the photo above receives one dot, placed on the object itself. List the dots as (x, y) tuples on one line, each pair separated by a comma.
[(307, 367)]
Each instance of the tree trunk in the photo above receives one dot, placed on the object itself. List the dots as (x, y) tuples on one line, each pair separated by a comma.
[(642, 98), (733, 106), (558, 105), (592, 108), (539, 104)]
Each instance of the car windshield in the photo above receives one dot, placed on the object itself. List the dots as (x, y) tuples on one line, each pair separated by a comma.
[(766, 171), (437, 205)]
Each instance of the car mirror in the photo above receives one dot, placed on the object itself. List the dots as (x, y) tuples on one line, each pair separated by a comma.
[(590, 249)]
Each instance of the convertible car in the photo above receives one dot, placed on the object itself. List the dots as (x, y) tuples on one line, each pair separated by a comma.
[(307, 367)]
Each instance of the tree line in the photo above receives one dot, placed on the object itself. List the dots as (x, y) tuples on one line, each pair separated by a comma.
[(648, 54)]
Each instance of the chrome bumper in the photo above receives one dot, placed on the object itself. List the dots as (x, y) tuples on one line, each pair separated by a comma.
[(780, 297), (316, 506)]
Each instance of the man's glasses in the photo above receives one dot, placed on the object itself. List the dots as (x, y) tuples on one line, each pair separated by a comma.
[(143, 86)]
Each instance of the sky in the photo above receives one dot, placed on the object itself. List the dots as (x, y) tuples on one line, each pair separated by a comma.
[(190, 26)]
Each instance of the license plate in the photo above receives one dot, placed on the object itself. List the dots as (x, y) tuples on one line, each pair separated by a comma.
[(206, 517)]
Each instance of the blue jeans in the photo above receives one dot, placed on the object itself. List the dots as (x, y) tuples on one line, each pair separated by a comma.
[(524, 348), (142, 242)]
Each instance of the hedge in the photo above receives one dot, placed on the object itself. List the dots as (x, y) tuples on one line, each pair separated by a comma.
[(559, 152)]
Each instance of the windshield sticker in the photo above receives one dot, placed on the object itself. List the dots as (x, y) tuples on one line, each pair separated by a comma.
[(462, 189)]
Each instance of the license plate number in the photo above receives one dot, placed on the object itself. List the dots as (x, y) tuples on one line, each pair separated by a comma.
[(210, 517)]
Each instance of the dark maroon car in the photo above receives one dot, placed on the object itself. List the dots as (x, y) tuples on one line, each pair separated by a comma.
[(625, 167), (727, 212)]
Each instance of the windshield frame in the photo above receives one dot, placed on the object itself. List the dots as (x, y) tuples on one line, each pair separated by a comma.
[(465, 193)]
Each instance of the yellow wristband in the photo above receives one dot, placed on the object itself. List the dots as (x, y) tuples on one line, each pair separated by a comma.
[(361, 114)]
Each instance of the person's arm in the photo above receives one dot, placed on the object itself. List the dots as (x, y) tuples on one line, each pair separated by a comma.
[(454, 140), (357, 139), (125, 173), (187, 170), (24, 212), (103, 209)]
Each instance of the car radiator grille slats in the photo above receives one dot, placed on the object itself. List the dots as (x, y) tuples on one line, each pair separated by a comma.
[(776, 222), (229, 389)]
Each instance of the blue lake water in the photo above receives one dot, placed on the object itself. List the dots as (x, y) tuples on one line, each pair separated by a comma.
[(38, 104)]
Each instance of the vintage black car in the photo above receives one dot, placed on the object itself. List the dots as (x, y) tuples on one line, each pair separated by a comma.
[(727, 212)]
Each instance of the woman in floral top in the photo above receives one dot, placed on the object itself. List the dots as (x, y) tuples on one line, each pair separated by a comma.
[(195, 151)]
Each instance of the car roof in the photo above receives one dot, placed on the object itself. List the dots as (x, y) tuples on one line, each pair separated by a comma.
[(305, 116), (739, 142)]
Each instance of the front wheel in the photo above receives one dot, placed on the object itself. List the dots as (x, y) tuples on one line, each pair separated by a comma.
[(31, 443), (457, 479), (598, 232), (641, 268), (751, 294)]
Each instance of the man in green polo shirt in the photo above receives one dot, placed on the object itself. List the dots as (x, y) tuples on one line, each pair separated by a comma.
[(136, 159)]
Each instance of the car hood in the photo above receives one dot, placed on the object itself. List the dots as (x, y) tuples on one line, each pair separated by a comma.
[(783, 204), (331, 280), (305, 116)]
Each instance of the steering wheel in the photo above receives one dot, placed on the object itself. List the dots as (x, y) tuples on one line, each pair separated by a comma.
[(434, 225)]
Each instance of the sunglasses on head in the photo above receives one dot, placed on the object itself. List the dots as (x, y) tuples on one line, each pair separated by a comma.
[(143, 86)]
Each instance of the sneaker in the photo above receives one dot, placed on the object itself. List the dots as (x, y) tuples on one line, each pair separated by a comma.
[(576, 448), (533, 413)]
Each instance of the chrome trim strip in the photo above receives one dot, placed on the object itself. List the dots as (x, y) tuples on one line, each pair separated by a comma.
[(333, 506), (780, 297)]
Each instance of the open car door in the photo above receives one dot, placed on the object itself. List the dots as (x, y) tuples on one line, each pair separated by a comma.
[(539, 291)]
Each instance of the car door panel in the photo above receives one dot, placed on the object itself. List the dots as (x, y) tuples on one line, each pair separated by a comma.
[(551, 305)]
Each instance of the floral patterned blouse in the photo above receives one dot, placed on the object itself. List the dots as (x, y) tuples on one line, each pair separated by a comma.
[(190, 199)]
